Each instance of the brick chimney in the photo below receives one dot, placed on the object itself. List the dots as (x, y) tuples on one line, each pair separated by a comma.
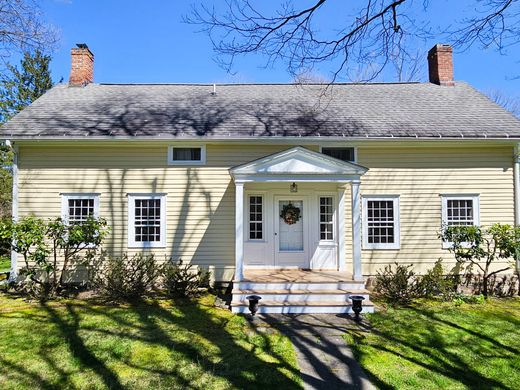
[(440, 65), (82, 66)]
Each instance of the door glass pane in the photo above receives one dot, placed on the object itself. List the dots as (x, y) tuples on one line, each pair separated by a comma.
[(290, 235)]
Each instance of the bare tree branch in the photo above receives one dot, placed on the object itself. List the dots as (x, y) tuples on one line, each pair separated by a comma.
[(379, 33)]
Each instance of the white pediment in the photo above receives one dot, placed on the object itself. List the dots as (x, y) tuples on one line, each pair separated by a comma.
[(296, 162)]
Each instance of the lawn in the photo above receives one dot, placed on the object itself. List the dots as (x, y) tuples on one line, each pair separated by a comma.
[(5, 263), (147, 345), (439, 345)]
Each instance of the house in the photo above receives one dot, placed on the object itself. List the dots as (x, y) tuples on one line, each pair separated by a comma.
[(296, 192)]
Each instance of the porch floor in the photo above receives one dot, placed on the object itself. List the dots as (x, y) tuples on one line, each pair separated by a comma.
[(296, 275)]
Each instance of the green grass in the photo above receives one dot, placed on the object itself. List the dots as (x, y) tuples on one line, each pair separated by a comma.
[(149, 345), (434, 345), (5, 263)]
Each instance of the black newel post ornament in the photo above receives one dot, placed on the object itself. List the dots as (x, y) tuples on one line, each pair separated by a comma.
[(357, 304), (253, 303)]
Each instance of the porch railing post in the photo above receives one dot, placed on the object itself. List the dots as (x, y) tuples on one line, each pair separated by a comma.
[(356, 231), (239, 231)]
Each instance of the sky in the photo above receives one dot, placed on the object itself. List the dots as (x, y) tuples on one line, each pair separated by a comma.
[(137, 41)]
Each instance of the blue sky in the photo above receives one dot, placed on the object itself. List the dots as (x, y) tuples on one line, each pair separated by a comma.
[(147, 42)]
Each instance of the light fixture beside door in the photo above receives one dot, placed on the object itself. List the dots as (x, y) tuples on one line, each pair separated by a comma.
[(293, 187)]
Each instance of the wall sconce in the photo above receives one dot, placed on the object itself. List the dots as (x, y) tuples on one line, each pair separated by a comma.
[(294, 187)]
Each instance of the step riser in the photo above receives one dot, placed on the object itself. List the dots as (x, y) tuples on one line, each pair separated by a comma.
[(257, 286), (302, 309), (340, 298)]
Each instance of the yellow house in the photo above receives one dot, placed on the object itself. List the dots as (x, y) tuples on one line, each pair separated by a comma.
[(296, 192)]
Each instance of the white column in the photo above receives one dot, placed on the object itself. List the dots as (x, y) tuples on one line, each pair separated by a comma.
[(341, 228), (14, 256), (356, 231), (239, 231), (516, 181)]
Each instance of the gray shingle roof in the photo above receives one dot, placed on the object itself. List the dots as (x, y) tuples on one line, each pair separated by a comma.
[(421, 110)]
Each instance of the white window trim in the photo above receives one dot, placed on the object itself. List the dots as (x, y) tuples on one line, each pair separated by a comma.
[(444, 211), (131, 221), (202, 160), (397, 222), (342, 146), (77, 195), (261, 195), (334, 219)]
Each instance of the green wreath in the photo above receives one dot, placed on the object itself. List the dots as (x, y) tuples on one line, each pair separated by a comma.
[(290, 214)]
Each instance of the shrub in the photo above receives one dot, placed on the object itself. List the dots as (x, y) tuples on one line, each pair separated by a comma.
[(399, 286), (49, 248), (126, 279), (459, 299), (182, 280), (480, 248), (436, 282)]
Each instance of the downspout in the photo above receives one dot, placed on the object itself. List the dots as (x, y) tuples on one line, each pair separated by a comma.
[(516, 179), (14, 256)]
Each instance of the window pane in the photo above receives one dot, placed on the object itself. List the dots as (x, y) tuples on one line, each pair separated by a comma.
[(326, 218), (459, 212), (147, 220), (380, 221), (255, 218), (80, 209), (186, 154), (345, 154)]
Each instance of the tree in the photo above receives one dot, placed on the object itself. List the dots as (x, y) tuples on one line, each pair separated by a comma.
[(510, 103), (23, 29), (481, 248), (21, 87), (371, 35)]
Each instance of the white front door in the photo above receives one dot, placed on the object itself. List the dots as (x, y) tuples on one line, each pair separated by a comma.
[(291, 234)]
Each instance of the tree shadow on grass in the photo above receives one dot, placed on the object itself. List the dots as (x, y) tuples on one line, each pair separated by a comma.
[(189, 334), (431, 349)]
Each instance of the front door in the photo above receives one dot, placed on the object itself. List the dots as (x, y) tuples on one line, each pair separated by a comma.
[(291, 232)]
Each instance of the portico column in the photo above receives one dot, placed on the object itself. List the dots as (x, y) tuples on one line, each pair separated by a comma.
[(239, 231), (356, 231)]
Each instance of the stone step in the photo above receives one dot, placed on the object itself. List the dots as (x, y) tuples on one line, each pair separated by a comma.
[(296, 307), (288, 295)]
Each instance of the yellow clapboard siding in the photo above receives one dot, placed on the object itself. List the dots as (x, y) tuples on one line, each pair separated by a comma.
[(201, 203)]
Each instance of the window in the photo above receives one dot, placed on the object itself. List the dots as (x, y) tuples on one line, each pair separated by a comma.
[(381, 222), (76, 208), (256, 222), (326, 218), (345, 154), (460, 210), (186, 155), (146, 220)]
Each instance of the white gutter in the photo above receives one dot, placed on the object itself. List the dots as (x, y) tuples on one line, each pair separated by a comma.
[(516, 180), (14, 255)]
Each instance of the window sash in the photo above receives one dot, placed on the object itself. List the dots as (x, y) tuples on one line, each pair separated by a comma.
[(381, 228), (77, 208), (146, 221), (326, 218), (344, 154), (256, 217), (186, 154), (191, 154)]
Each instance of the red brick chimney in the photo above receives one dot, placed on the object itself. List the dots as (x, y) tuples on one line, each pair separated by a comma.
[(440, 64), (82, 65)]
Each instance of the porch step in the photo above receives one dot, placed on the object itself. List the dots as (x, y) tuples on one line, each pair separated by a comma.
[(311, 286), (310, 295), (298, 307)]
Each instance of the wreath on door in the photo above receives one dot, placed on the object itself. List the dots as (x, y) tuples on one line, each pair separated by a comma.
[(290, 214)]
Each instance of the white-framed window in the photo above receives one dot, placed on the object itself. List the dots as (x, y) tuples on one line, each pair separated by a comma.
[(326, 218), (146, 220), (186, 154), (256, 217), (348, 154), (460, 210), (77, 207), (381, 226)]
